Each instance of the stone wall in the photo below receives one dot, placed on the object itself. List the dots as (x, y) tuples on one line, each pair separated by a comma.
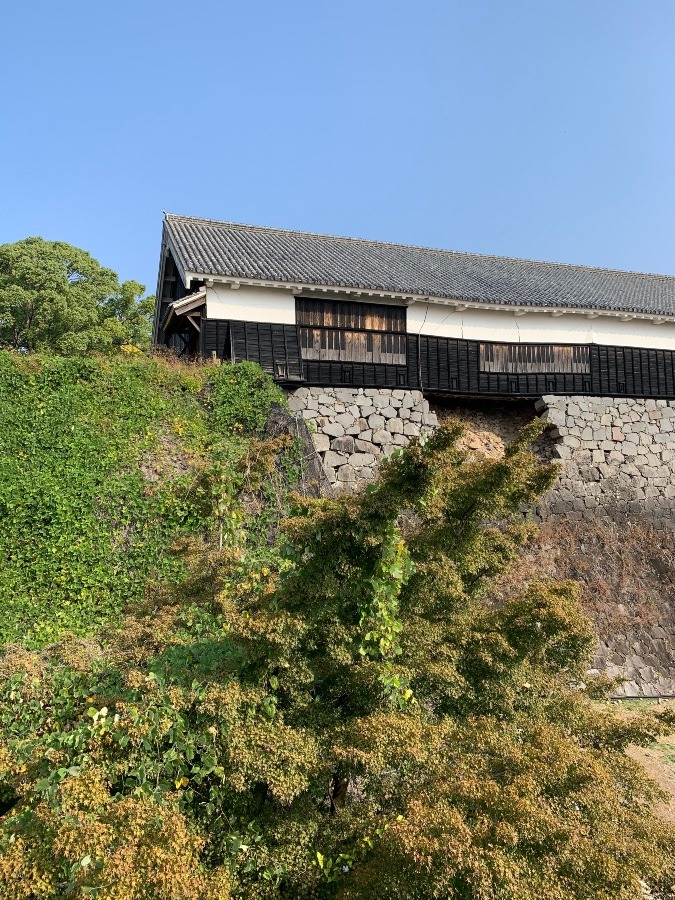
[(619, 458), (643, 658), (353, 428)]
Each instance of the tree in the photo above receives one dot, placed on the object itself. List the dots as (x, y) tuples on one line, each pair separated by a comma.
[(57, 297), (357, 718)]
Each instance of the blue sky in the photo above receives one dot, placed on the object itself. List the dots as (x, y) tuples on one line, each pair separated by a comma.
[(525, 128)]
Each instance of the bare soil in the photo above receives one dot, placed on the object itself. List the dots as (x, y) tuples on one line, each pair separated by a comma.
[(660, 769)]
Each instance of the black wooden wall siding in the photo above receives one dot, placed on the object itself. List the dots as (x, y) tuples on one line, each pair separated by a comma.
[(275, 347), (354, 373), (443, 364)]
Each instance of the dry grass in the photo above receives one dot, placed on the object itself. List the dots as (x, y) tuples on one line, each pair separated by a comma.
[(626, 571)]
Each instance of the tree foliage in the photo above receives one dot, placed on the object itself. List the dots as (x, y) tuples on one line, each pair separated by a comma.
[(58, 298), (346, 715)]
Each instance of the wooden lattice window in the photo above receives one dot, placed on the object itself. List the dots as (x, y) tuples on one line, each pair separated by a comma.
[(344, 331), (535, 358)]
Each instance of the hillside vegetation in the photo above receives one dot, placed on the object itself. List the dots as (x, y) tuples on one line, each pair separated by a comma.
[(99, 475), (213, 689)]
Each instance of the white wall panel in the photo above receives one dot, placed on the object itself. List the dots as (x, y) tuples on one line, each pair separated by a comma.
[(493, 325), (250, 304)]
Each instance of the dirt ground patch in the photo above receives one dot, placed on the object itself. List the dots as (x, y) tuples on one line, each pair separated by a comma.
[(658, 762)]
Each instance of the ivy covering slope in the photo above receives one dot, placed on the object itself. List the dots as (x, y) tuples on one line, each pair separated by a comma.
[(99, 466), (343, 714)]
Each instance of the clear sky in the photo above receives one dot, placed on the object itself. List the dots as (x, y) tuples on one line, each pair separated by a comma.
[(535, 128)]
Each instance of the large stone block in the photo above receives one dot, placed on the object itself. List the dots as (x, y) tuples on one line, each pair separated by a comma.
[(343, 444), (334, 459), (321, 442), (346, 473), (366, 447), (382, 437), (334, 429), (358, 460), (347, 395), (358, 426)]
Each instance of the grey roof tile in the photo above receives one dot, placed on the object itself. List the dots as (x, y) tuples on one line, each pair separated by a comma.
[(207, 247)]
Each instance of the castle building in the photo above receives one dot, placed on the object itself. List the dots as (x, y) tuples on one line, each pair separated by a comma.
[(318, 310)]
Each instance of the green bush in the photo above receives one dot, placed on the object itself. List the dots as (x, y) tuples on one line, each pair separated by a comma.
[(346, 716), (241, 398)]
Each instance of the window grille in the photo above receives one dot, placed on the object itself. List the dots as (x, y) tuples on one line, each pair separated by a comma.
[(534, 358)]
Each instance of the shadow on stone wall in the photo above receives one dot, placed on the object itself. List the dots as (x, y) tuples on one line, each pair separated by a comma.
[(627, 576)]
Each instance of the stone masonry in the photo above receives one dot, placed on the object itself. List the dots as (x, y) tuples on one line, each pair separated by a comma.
[(619, 458), (353, 428)]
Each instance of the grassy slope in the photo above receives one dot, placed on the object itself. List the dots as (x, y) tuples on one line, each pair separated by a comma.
[(95, 459)]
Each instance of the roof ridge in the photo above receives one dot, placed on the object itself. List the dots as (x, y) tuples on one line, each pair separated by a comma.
[(398, 245)]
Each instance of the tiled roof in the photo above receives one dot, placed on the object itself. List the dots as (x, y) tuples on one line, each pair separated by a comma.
[(207, 247)]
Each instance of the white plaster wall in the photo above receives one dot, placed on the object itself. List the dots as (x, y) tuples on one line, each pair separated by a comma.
[(496, 325), (250, 304)]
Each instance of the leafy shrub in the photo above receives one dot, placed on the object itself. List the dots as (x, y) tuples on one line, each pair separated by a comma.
[(241, 398), (82, 527), (350, 717), (148, 848)]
